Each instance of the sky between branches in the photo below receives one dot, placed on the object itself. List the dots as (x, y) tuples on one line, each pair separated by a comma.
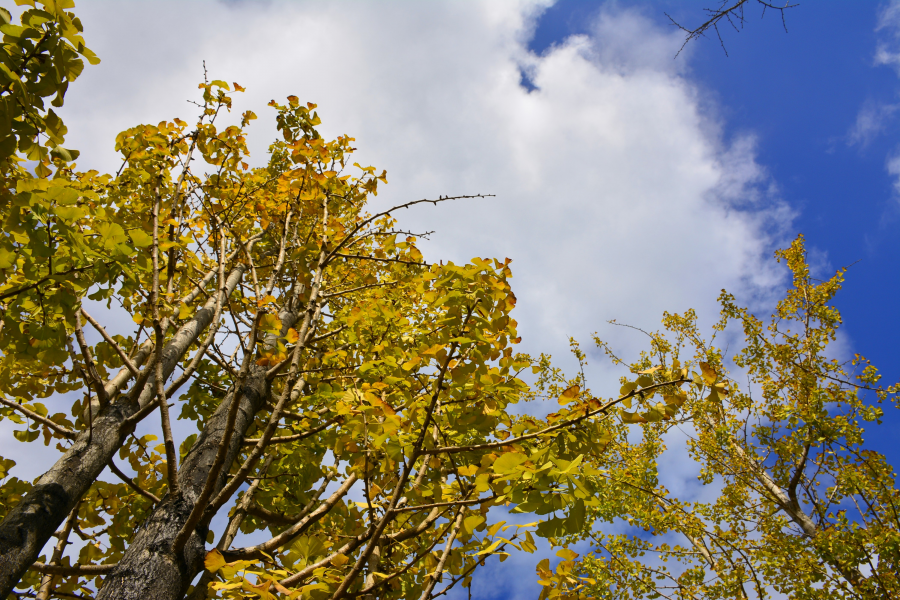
[(627, 182)]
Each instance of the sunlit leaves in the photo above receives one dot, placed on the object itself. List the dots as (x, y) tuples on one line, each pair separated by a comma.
[(800, 506), (39, 58)]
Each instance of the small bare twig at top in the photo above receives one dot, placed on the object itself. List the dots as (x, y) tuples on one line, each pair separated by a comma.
[(733, 15)]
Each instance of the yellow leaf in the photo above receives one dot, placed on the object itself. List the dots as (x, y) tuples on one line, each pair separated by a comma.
[(508, 462), (495, 528), (567, 554), (261, 590), (214, 561), (709, 374), (468, 470), (675, 400), (270, 323), (137, 319), (292, 336), (570, 393), (644, 381), (490, 548), (184, 311), (339, 561), (628, 388), (472, 522), (628, 417)]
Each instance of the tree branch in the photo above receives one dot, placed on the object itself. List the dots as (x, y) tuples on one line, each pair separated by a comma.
[(558, 426), (63, 431), (131, 483)]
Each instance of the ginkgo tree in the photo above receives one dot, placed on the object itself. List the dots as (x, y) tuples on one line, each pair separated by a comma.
[(793, 502), (351, 402)]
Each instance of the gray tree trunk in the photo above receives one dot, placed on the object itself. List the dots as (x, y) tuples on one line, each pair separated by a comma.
[(149, 570), (27, 527)]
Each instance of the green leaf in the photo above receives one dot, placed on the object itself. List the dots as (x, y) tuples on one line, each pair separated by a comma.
[(471, 523), (508, 462), (140, 238)]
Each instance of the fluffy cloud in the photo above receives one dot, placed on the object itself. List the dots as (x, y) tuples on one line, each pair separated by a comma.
[(616, 194), (871, 121), (887, 52), (873, 118)]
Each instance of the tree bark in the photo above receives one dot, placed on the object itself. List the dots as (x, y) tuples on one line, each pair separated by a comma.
[(27, 527), (150, 570)]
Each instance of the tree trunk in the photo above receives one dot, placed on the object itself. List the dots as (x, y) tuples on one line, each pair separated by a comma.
[(150, 570), (28, 526)]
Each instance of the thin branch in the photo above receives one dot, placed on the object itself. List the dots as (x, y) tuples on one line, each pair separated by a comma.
[(364, 223), (283, 519), (63, 431), (558, 426), (443, 504), (131, 483), (73, 570), (285, 537), (292, 438), (731, 14), (404, 477), (386, 260), (37, 283), (91, 370), (171, 453), (48, 580), (436, 575), (125, 360)]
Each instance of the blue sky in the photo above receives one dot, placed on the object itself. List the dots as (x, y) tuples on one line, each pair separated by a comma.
[(802, 95), (628, 182)]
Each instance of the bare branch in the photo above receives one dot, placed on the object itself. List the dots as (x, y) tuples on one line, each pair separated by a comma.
[(91, 371), (73, 570), (732, 15)]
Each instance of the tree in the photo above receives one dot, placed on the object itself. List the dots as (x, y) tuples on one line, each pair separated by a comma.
[(320, 358), (801, 508)]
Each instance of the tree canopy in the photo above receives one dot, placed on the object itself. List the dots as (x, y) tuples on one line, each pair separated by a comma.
[(359, 410), (314, 349), (796, 506)]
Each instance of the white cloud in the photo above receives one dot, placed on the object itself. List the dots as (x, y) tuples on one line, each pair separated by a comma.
[(887, 52), (892, 165), (871, 121), (872, 118), (617, 195)]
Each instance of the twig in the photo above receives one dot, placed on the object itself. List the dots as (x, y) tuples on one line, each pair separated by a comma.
[(63, 431), (131, 483), (125, 360)]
